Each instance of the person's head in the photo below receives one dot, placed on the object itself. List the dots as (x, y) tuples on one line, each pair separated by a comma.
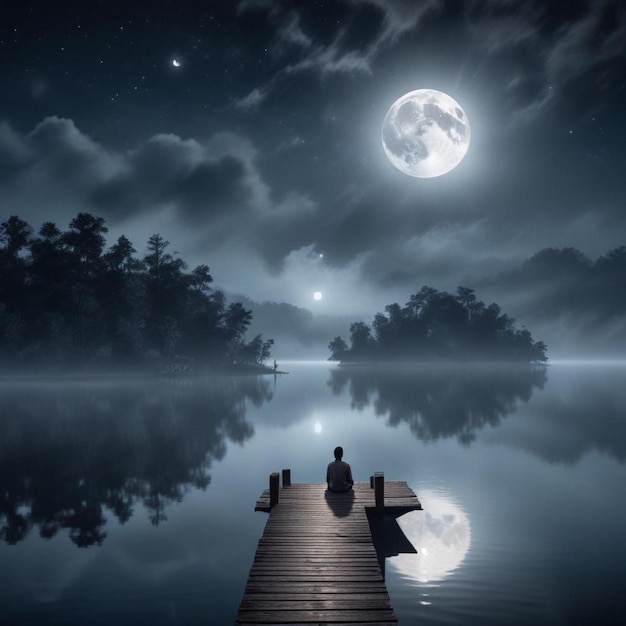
[(338, 453)]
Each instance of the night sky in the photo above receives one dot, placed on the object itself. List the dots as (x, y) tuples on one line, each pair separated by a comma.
[(261, 155)]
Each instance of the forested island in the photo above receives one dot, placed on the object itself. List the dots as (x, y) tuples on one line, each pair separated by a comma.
[(439, 326), (68, 301)]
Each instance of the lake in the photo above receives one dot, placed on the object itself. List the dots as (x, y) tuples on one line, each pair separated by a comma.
[(131, 501)]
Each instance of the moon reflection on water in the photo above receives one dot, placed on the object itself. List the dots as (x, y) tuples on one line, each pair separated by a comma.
[(440, 533)]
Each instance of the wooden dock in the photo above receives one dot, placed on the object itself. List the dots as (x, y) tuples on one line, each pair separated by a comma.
[(316, 562)]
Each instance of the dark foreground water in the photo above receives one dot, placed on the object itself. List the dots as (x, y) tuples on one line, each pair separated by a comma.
[(131, 502)]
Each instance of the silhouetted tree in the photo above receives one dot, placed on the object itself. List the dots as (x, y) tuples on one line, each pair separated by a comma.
[(85, 240), (436, 325), (256, 351), (49, 308), (236, 322), (338, 349), (15, 235), (120, 258), (200, 278), (85, 243), (65, 299), (362, 344)]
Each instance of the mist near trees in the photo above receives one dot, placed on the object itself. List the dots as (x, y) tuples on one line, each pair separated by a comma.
[(574, 304), (68, 300), (438, 326), (577, 302), (297, 330), (566, 280)]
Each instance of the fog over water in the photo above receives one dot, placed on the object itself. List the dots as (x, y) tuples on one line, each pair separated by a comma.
[(135, 496)]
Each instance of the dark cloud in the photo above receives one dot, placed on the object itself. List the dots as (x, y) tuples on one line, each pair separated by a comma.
[(14, 153), (263, 151), (61, 153), (169, 171), (213, 189)]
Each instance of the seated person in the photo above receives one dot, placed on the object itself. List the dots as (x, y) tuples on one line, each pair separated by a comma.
[(338, 473)]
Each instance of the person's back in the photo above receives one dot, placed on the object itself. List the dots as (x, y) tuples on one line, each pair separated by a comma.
[(339, 473)]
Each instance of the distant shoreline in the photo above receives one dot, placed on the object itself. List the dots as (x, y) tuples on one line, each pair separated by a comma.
[(440, 363), (138, 373)]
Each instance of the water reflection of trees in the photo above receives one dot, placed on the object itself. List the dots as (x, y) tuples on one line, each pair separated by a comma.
[(69, 452), (439, 401), (584, 413)]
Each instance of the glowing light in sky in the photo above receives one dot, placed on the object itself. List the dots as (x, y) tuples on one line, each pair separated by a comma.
[(317, 295), (317, 428)]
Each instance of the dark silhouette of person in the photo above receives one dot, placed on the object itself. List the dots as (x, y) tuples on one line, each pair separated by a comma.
[(338, 473)]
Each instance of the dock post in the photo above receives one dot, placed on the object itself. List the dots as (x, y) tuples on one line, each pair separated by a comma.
[(273, 489), (286, 478), (379, 492)]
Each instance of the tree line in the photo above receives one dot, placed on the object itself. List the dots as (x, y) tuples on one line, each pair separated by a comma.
[(439, 326), (68, 300)]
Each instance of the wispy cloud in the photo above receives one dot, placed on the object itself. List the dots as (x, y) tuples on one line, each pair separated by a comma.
[(291, 32), (253, 99), (556, 52), (321, 60), (582, 46), (333, 59), (340, 55), (399, 16)]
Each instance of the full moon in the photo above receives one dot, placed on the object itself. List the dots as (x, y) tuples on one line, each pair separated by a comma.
[(317, 295), (425, 133)]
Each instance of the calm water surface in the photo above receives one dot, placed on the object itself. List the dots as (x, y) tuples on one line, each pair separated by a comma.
[(131, 501)]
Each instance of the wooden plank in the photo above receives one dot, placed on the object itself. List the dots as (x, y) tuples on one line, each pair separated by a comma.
[(324, 623), (375, 597), (316, 616), (316, 562), (313, 603), (285, 588)]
